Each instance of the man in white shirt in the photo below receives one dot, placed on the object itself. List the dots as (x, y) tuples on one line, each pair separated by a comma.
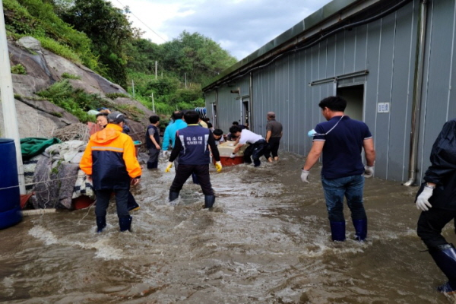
[(256, 148)]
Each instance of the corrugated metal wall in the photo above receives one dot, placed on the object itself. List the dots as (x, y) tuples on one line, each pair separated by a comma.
[(387, 49)]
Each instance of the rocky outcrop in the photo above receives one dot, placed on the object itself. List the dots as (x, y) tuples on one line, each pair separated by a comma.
[(39, 118)]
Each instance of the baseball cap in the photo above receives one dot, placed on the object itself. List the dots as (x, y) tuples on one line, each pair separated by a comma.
[(116, 117)]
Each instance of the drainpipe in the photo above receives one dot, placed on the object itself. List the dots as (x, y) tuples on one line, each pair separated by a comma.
[(418, 83), (251, 102)]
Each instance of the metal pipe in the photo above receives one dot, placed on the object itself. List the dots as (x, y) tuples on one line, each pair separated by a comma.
[(251, 102), (417, 95)]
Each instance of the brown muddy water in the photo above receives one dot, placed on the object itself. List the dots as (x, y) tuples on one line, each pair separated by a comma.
[(267, 241)]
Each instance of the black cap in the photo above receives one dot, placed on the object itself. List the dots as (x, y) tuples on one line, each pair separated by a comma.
[(116, 117)]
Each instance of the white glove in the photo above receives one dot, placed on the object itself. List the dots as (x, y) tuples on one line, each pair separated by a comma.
[(368, 171), (422, 201), (232, 155), (305, 176)]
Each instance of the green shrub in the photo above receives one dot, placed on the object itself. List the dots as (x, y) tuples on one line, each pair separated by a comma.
[(18, 69), (70, 76), (74, 101), (117, 95)]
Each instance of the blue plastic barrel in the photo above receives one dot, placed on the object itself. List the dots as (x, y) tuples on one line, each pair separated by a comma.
[(10, 197)]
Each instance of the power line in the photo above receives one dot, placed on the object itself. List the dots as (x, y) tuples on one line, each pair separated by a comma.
[(164, 40)]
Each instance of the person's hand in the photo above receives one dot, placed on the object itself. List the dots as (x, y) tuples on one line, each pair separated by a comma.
[(157, 146), (218, 166), (305, 176), (368, 171), (422, 201), (170, 165), (89, 178), (232, 155), (135, 181)]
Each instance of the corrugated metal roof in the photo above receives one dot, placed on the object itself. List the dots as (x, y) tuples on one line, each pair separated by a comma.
[(308, 23)]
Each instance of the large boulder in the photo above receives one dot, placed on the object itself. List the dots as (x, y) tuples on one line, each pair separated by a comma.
[(39, 118)]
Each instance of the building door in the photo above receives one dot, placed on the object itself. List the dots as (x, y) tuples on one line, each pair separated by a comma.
[(354, 95), (214, 116), (245, 113)]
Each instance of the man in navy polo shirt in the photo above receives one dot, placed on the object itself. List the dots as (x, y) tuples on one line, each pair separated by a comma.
[(191, 146), (341, 141)]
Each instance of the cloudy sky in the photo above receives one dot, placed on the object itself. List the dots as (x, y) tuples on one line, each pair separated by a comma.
[(238, 26)]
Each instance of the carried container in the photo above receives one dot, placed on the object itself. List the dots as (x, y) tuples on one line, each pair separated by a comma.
[(10, 197), (225, 150)]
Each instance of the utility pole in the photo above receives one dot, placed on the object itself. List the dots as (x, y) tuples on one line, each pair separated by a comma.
[(9, 107), (153, 102), (133, 88), (156, 69), (185, 79)]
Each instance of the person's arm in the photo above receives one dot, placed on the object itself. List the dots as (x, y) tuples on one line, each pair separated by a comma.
[(130, 159), (86, 160), (166, 139), (213, 147), (314, 154), (236, 148), (268, 135), (152, 138), (176, 149), (369, 151)]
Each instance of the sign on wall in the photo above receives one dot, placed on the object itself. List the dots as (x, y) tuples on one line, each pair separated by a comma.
[(383, 107)]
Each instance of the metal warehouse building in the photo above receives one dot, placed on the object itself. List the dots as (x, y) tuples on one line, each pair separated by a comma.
[(392, 60)]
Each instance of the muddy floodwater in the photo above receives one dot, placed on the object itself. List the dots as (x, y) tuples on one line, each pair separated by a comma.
[(266, 241)]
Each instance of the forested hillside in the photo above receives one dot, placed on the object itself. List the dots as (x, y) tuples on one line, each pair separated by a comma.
[(101, 37)]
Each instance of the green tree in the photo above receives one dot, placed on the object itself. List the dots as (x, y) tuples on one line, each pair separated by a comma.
[(109, 30)]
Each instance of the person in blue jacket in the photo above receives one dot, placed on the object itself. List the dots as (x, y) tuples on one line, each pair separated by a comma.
[(436, 199), (170, 133), (192, 147)]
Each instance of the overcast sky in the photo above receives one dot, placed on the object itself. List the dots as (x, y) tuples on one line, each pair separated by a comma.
[(238, 26)]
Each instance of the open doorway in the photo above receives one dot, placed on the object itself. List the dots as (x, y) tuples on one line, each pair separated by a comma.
[(354, 95), (214, 115), (245, 113)]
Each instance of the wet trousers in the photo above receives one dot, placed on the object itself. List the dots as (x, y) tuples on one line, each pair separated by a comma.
[(152, 162), (183, 172), (273, 147), (430, 225), (255, 151), (103, 197), (350, 187)]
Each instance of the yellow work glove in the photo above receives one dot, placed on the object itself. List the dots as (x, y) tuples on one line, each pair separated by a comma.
[(170, 165), (218, 166)]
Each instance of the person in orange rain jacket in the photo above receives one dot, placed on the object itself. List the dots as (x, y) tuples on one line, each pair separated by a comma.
[(110, 161)]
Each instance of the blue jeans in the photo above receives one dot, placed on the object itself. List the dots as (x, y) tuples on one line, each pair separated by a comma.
[(335, 190)]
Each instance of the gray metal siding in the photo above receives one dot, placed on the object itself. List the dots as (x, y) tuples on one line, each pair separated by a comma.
[(387, 49), (438, 98)]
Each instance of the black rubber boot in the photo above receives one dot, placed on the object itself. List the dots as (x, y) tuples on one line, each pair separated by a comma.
[(101, 223), (209, 201), (173, 196), (361, 229), (125, 223), (338, 231), (445, 258)]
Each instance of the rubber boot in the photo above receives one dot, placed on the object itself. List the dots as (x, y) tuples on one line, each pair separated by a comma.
[(338, 231), (101, 223), (361, 229), (173, 196), (209, 201), (125, 223), (445, 258)]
